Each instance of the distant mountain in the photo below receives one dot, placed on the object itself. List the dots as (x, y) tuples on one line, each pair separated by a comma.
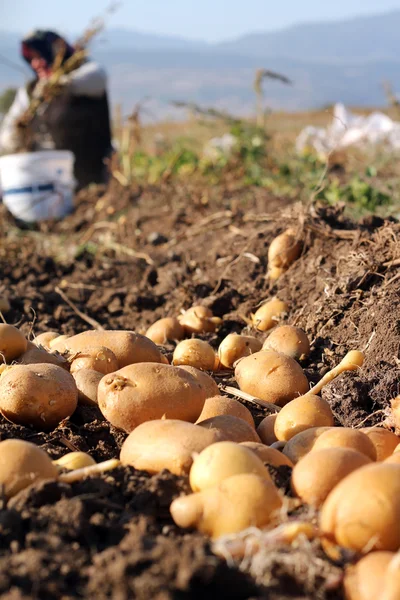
[(357, 39), (126, 38), (345, 61)]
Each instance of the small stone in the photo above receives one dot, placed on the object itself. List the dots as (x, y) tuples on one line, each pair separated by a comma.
[(156, 238)]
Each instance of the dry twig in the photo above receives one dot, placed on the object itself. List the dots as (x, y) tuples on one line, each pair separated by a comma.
[(76, 310)]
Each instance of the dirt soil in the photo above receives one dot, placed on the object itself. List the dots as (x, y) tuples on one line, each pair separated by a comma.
[(126, 258)]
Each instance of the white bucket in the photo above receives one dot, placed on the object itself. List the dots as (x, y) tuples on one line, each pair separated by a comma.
[(36, 186)]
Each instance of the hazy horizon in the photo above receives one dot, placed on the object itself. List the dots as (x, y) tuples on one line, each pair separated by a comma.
[(213, 21)]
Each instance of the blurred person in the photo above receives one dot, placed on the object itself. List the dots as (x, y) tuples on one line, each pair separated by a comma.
[(76, 118)]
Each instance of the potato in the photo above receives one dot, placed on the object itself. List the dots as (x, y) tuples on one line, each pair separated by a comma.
[(87, 382), (40, 395), (207, 383), (128, 347), (96, 358), (195, 353), (236, 346), (57, 340), (266, 430), (44, 339), (268, 455), (241, 501), (147, 391), (35, 355), (300, 414), (75, 460), (12, 343), (222, 405), (393, 458), (222, 460), (391, 584), (282, 252), (365, 579), (164, 330), (21, 464), (363, 510), (165, 444), (302, 443), (231, 428), (199, 319), (288, 340), (268, 315), (271, 376), (385, 441), (317, 473), (345, 437)]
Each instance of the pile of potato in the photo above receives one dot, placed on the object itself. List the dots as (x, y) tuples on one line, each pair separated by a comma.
[(177, 419)]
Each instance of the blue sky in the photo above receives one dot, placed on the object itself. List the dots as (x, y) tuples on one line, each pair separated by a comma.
[(212, 20)]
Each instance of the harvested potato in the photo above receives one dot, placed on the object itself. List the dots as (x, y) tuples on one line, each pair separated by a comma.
[(12, 343), (319, 471), (302, 443), (242, 501), (385, 441), (269, 314), (208, 384), (87, 382), (271, 376), (40, 395), (266, 430), (35, 355), (59, 339), (222, 460), (268, 455), (128, 347), (391, 584), (236, 346), (222, 405), (231, 428), (97, 358), (199, 319), (393, 458), (44, 339), (5, 305), (363, 510), (288, 340), (166, 444), (165, 330), (194, 353), (75, 460), (365, 579), (147, 391), (21, 464), (282, 252), (345, 437), (300, 414)]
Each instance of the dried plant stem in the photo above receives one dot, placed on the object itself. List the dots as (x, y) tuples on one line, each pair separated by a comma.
[(80, 474), (76, 310)]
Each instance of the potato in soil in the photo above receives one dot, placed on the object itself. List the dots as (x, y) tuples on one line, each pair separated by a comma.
[(271, 376), (21, 464), (146, 391), (129, 347), (12, 342), (38, 395), (166, 444)]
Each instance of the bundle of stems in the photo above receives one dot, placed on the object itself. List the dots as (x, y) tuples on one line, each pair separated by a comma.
[(53, 85)]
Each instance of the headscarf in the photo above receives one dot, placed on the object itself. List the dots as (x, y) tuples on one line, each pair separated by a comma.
[(48, 44)]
